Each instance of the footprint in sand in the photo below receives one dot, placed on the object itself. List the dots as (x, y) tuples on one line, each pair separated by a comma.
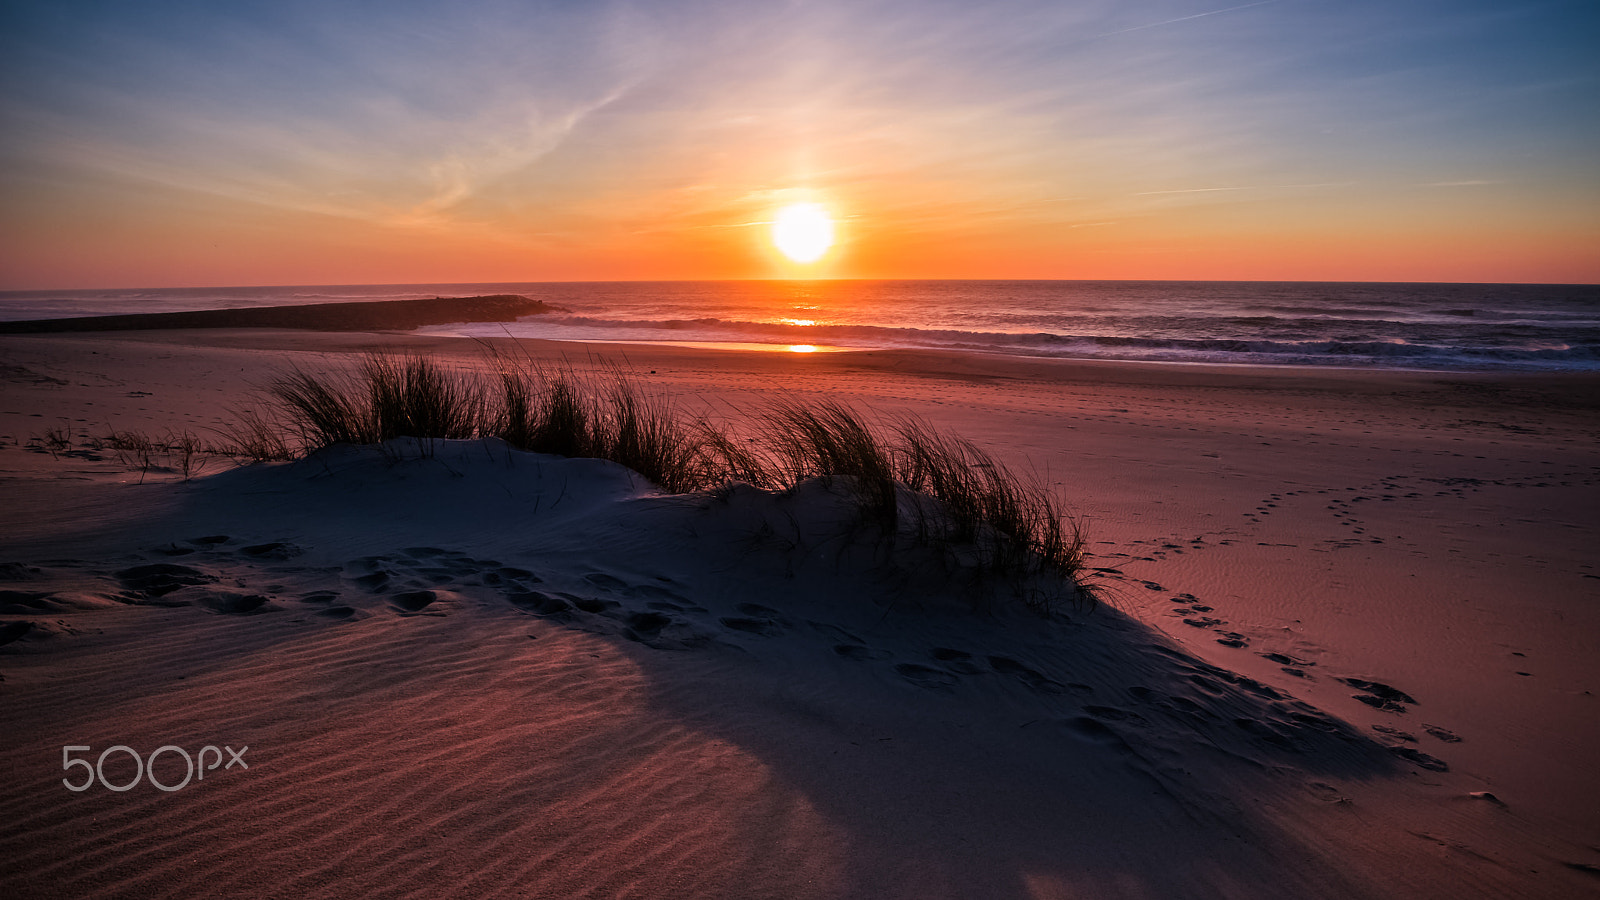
[(592, 604), (277, 551), (509, 574), (1237, 680), (1443, 734), (1113, 714), (1093, 730), (1417, 757), (646, 625), (1284, 659), (835, 633), (374, 581), (1395, 733), (1325, 792), (1379, 695), (231, 604), (660, 631), (436, 566), (606, 582), (377, 575), (15, 602), (539, 603), (160, 579), (1270, 732), (319, 596), (761, 627), (959, 661), (658, 594), (1174, 704), (926, 676), (408, 602), (1316, 720), (1034, 680), (757, 619), (860, 652), (437, 576)]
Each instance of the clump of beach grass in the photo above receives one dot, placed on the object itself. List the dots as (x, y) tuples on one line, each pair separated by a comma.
[(413, 396), (646, 433), (547, 409), (824, 439), (903, 475), (387, 397), (1014, 520), (323, 410), (945, 490)]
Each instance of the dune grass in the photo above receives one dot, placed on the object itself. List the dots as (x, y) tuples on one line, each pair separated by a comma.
[(412, 396), (824, 439), (904, 475), (1015, 521), (182, 452)]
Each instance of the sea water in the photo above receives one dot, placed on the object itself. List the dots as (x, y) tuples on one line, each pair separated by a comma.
[(1427, 326)]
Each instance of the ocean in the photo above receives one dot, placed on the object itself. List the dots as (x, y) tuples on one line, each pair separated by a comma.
[(1459, 327)]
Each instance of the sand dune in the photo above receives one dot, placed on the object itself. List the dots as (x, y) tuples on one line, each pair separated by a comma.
[(484, 672)]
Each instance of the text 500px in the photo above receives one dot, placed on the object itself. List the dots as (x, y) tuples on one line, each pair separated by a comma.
[(144, 767)]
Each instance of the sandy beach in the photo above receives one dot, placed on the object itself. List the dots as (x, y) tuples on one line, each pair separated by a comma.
[(1347, 646)]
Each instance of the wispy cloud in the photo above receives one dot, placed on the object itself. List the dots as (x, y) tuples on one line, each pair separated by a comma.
[(1258, 187), (1214, 12)]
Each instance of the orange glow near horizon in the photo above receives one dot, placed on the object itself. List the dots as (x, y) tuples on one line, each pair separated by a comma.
[(210, 242)]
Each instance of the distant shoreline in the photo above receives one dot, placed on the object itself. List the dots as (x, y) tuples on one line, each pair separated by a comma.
[(377, 315)]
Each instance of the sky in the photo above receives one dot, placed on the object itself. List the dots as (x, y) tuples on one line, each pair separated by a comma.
[(331, 142)]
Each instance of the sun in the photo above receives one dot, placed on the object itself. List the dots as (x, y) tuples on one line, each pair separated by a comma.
[(803, 231)]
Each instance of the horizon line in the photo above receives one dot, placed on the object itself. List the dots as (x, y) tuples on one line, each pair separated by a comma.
[(420, 284)]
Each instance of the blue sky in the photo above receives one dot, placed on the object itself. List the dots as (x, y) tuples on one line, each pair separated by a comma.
[(485, 140)]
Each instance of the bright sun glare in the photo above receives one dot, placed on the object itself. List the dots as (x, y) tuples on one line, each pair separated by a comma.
[(803, 231)]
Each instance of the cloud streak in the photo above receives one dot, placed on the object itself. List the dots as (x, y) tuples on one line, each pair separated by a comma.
[(1258, 187), (1214, 12)]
